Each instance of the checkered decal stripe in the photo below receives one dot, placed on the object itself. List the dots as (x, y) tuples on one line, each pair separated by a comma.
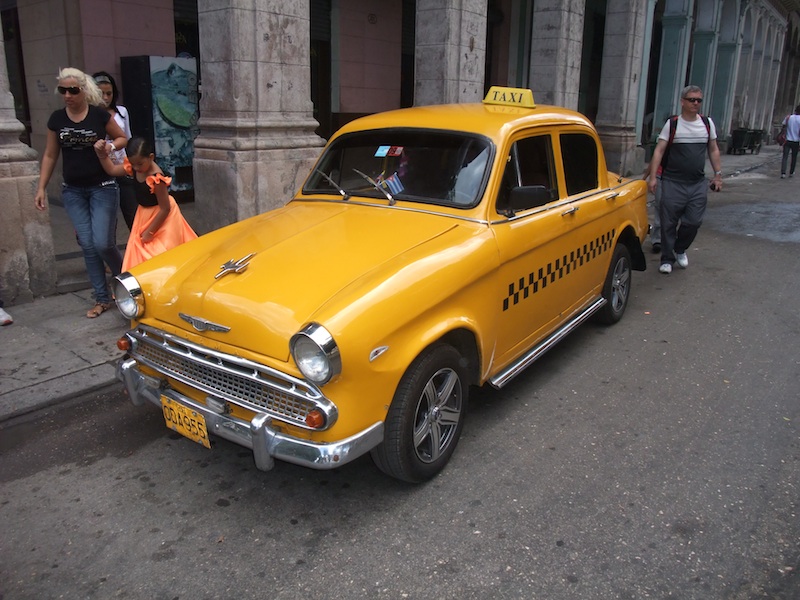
[(553, 271)]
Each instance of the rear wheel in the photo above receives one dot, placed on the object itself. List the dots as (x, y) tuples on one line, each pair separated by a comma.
[(617, 288), (426, 417)]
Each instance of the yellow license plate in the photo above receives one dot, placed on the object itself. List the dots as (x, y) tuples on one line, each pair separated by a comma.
[(185, 421)]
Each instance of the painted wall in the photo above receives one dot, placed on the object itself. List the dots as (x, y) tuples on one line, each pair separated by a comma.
[(368, 55), (89, 35)]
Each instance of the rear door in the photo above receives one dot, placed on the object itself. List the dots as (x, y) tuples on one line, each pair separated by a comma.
[(551, 256)]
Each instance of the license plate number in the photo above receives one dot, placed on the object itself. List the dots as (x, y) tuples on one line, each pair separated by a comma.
[(185, 421)]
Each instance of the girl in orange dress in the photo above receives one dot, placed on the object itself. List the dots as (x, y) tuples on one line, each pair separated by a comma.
[(159, 224)]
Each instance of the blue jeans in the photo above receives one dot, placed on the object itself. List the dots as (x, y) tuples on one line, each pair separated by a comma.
[(93, 211), (789, 147)]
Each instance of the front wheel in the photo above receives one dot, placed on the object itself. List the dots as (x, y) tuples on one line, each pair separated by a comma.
[(617, 288), (426, 417)]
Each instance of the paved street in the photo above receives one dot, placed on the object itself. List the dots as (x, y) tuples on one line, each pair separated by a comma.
[(658, 458)]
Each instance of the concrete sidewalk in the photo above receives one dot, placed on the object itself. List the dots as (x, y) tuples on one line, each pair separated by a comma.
[(52, 352)]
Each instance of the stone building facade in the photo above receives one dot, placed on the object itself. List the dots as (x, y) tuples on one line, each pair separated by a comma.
[(278, 76)]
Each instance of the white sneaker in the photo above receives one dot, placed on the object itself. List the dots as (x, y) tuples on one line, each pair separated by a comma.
[(665, 268), (682, 260), (5, 318)]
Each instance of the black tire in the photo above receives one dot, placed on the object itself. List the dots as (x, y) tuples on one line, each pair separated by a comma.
[(426, 417), (617, 288)]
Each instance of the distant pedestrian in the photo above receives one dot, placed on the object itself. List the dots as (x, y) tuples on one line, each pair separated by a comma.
[(678, 166), (5, 318), (89, 195), (655, 223), (792, 124), (159, 224), (127, 197)]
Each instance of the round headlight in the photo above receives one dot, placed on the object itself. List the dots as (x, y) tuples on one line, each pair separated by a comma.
[(316, 354), (128, 296)]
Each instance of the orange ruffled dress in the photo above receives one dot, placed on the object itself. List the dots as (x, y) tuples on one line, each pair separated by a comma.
[(173, 231)]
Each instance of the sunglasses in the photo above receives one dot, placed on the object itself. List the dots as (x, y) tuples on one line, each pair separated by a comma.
[(694, 100), (73, 91)]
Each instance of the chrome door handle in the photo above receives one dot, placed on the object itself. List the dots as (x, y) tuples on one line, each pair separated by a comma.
[(570, 211)]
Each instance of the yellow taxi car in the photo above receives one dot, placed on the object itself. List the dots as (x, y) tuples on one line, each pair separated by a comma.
[(430, 249)]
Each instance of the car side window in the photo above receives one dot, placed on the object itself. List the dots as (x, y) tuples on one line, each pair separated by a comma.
[(579, 155), (535, 159), (529, 165)]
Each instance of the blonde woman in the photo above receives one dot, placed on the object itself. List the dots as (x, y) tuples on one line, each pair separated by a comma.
[(89, 194)]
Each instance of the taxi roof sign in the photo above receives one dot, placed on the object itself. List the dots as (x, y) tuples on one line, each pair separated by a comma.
[(509, 96)]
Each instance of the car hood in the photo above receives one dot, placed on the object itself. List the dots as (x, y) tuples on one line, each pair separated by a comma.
[(302, 257)]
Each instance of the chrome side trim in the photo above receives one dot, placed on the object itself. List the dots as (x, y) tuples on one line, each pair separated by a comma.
[(562, 202), (535, 353), (259, 435)]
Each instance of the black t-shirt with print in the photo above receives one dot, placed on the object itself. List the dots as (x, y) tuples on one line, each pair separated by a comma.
[(81, 165)]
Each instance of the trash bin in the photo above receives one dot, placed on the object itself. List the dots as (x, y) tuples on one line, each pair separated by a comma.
[(738, 141)]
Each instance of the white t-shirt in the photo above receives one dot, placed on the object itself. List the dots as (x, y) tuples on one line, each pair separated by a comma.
[(792, 123), (687, 153), (124, 121)]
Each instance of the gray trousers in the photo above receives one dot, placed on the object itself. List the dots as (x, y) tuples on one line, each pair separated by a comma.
[(682, 208), (655, 226)]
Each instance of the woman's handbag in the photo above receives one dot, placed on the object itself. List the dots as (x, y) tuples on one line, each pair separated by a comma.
[(781, 137)]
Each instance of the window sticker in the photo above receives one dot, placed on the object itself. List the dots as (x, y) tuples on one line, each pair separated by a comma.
[(383, 151)]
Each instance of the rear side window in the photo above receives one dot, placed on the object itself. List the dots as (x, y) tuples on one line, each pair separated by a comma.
[(579, 154), (535, 161)]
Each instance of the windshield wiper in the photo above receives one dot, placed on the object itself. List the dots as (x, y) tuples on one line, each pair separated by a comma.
[(327, 177), (377, 186)]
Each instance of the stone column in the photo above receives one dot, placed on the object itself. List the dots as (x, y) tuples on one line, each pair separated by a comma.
[(676, 30), (257, 139), (739, 109), (724, 81), (704, 51), (772, 68), (556, 47), (450, 51), (27, 265), (759, 59), (704, 60), (623, 49)]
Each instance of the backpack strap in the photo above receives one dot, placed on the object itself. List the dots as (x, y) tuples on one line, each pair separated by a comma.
[(707, 124), (673, 126)]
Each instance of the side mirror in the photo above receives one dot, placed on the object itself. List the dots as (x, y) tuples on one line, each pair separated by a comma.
[(529, 196)]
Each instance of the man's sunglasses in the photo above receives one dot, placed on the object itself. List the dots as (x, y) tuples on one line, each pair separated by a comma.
[(694, 100), (73, 91)]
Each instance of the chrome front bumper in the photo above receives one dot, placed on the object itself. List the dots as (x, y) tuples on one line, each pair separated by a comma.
[(259, 435)]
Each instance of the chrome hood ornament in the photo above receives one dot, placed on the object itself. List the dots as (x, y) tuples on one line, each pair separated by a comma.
[(203, 324), (232, 266)]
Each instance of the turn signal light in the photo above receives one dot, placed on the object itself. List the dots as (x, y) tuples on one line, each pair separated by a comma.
[(315, 418), (124, 344)]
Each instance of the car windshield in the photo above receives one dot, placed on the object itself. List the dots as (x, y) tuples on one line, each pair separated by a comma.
[(413, 165)]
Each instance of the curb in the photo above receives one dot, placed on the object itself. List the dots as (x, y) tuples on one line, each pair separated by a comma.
[(24, 401)]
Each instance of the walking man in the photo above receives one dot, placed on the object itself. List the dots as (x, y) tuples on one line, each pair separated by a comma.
[(680, 157), (792, 124)]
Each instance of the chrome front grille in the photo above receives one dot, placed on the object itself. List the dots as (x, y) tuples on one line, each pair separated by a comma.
[(233, 379)]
